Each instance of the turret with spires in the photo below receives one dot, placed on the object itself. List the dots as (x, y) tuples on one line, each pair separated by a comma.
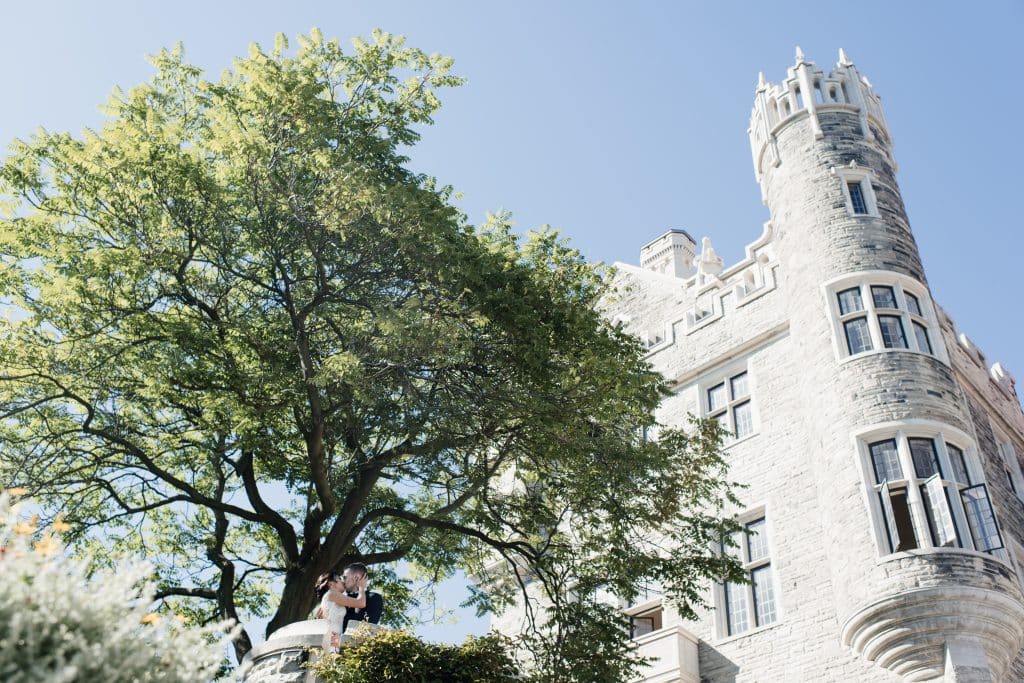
[(875, 371), (806, 91), (883, 495)]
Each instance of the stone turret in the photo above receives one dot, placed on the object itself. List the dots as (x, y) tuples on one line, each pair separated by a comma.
[(913, 556), (672, 253)]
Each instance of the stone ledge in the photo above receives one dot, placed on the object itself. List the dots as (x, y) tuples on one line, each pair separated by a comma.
[(907, 633)]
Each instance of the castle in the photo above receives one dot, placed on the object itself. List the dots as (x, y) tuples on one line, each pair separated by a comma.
[(885, 501)]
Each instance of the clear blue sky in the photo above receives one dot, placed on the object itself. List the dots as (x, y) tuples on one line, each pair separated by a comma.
[(616, 121)]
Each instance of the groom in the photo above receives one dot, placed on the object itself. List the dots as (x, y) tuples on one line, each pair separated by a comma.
[(374, 601)]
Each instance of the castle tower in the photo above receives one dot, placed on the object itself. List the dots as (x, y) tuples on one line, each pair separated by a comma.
[(882, 507), (921, 582)]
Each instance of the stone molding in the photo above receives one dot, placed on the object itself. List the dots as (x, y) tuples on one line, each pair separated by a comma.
[(907, 632)]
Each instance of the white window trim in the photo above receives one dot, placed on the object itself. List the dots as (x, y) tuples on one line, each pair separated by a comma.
[(864, 176), (720, 617), (902, 285), (724, 376), (651, 599), (646, 607), (942, 434)]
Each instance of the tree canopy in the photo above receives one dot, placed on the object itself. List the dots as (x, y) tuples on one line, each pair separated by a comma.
[(246, 340)]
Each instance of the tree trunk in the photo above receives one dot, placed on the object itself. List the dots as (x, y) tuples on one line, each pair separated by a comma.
[(297, 599)]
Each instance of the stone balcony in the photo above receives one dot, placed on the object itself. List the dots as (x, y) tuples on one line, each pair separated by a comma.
[(673, 654)]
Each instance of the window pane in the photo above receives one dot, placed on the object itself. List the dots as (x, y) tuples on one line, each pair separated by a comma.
[(739, 386), (892, 332), (980, 518), (764, 596), (885, 500), (736, 548), (743, 418), (850, 301), (884, 297), (913, 304), (722, 419), (921, 334), (886, 461), (716, 397), (757, 540), (940, 519), (858, 338), (647, 590), (857, 198), (925, 462), (646, 622), (736, 608), (641, 626), (959, 465)]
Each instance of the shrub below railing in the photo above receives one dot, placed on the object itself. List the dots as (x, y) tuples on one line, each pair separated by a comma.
[(388, 656)]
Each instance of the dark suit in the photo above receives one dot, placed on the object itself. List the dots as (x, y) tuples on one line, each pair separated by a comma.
[(371, 613)]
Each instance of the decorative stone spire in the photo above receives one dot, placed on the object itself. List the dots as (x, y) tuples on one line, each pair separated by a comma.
[(709, 263), (806, 91), (805, 78)]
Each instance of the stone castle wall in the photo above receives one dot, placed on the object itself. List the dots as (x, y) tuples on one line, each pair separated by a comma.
[(849, 608)]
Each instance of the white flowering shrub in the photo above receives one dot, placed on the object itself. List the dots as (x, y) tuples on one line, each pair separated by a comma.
[(59, 624)]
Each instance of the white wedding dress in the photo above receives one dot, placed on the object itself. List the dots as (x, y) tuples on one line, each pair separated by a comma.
[(335, 616)]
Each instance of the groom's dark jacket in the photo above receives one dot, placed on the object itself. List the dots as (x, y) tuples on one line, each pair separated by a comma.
[(371, 613)]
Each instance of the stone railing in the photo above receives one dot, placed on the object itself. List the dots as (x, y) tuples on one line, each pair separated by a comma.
[(672, 652), (282, 658)]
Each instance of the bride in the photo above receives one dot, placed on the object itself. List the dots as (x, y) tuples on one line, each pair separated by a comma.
[(331, 589)]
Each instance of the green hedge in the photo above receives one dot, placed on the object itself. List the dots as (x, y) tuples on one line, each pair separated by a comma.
[(399, 657)]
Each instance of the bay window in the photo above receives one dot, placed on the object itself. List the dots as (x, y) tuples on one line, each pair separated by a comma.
[(928, 492), (882, 311)]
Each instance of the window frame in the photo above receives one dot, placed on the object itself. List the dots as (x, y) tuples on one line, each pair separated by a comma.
[(749, 595), (927, 516), (864, 178), (904, 289), (649, 604), (858, 203), (731, 403)]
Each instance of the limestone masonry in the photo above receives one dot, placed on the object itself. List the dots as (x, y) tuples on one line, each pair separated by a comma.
[(885, 508)]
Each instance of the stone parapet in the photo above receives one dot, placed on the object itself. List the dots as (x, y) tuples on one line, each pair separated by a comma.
[(282, 658)]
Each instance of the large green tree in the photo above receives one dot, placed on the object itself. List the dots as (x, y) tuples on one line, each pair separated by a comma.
[(246, 340)]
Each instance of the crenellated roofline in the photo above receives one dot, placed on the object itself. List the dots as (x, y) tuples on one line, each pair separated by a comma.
[(806, 91)]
